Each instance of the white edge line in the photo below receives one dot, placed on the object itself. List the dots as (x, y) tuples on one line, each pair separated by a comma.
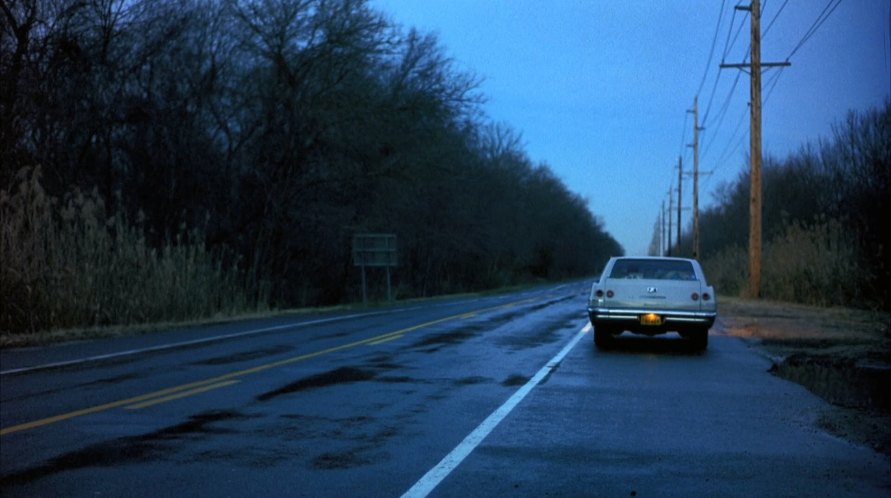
[(434, 476)]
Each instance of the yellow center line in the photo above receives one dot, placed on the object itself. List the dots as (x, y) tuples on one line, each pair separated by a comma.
[(191, 388), (98, 408), (386, 339), (179, 395)]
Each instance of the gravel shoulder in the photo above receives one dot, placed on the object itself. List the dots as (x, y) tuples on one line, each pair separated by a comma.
[(840, 354)]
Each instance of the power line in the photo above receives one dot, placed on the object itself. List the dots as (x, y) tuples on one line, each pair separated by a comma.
[(773, 83), (725, 154), (728, 45), (824, 15), (722, 113), (726, 105), (711, 51), (728, 149), (821, 19), (775, 16), (733, 33)]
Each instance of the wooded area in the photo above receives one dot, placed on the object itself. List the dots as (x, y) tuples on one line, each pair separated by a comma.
[(242, 143), (825, 218)]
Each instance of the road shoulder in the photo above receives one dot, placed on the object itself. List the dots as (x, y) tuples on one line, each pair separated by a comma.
[(842, 355)]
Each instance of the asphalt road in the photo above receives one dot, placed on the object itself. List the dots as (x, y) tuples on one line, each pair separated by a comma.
[(495, 396)]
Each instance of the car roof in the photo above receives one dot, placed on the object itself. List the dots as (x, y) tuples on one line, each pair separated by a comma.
[(653, 258)]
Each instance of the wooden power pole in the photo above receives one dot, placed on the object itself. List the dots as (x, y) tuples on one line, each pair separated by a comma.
[(668, 215), (755, 143), (662, 230), (680, 183), (755, 139), (695, 146)]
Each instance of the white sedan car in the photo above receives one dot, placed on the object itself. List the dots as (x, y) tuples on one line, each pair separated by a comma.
[(652, 295)]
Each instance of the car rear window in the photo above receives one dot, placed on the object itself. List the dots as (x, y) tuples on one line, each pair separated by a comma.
[(653, 269)]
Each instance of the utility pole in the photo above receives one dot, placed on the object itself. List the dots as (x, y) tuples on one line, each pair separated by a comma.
[(695, 146), (755, 139), (755, 144), (662, 230), (668, 215), (680, 183)]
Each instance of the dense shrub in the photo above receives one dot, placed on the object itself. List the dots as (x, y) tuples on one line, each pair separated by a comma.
[(728, 270), (819, 264)]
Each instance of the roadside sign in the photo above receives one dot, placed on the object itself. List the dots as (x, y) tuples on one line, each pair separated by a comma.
[(375, 250)]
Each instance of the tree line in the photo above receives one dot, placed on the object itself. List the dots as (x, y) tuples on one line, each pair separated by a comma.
[(824, 220), (264, 134)]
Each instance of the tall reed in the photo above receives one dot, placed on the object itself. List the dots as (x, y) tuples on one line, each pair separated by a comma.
[(69, 263)]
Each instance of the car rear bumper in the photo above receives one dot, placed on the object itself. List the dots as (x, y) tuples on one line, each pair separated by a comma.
[(630, 319)]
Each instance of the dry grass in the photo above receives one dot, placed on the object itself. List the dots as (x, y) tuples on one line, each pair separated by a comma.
[(768, 319), (68, 263), (818, 264)]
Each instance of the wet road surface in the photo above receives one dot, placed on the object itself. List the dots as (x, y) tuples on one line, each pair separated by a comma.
[(371, 403)]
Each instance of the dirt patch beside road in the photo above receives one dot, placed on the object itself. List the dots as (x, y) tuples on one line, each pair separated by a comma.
[(842, 355)]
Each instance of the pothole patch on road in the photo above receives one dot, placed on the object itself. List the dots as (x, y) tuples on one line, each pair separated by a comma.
[(133, 449), (472, 380), (515, 380), (340, 460), (343, 375)]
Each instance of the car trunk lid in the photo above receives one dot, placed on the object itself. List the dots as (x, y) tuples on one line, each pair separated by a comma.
[(653, 294)]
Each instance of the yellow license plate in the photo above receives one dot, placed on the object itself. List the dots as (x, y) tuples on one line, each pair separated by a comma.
[(650, 319)]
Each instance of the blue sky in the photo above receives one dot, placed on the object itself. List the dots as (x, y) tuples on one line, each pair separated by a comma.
[(600, 89)]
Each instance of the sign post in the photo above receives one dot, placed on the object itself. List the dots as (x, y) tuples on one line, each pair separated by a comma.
[(376, 250)]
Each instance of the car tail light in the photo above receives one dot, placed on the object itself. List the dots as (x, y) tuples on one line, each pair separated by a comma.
[(610, 293), (599, 293), (695, 296), (706, 296)]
